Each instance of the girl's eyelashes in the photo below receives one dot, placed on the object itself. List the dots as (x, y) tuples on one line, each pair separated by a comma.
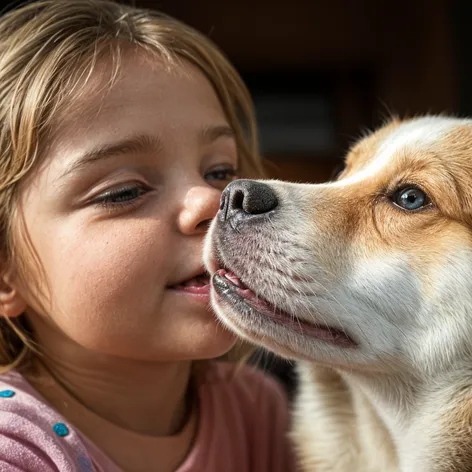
[(120, 197)]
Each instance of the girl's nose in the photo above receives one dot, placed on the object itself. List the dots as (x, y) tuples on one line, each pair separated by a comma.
[(201, 203)]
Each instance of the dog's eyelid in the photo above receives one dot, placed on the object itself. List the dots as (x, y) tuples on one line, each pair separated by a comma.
[(405, 185), (428, 207)]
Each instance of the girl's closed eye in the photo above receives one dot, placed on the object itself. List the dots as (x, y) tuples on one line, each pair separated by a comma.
[(122, 196)]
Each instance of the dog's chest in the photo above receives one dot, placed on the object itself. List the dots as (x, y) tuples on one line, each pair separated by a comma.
[(335, 430)]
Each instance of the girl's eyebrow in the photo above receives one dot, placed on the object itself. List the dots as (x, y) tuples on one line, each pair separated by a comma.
[(133, 144), (139, 144)]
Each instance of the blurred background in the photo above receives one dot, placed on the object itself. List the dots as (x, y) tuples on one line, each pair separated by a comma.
[(322, 72)]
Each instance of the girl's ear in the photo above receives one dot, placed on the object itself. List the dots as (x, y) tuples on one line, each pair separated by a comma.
[(12, 304)]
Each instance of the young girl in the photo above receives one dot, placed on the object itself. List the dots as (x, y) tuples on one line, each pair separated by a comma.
[(119, 129)]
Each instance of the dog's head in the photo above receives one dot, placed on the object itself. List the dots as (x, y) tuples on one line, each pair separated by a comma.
[(372, 271)]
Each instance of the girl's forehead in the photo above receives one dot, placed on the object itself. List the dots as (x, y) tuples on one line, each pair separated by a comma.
[(144, 91), (147, 102), (106, 85)]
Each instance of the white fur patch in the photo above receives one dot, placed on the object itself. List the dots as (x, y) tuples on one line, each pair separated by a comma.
[(420, 134)]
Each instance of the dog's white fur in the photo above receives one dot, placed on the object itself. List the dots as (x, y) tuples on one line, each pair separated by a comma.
[(399, 283)]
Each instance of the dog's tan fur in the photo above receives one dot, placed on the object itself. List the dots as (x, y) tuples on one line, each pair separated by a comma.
[(342, 255)]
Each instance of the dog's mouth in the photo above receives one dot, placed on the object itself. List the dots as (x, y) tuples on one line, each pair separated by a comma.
[(228, 286)]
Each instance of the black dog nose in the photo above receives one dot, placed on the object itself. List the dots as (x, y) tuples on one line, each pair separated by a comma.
[(246, 198)]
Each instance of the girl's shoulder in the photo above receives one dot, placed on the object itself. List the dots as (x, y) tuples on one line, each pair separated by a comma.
[(33, 436), (244, 422)]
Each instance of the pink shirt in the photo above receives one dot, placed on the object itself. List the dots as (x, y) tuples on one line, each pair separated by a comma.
[(242, 428)]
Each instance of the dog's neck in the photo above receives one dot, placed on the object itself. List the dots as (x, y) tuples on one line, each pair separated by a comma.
[(396, 421), (394, 398), (423, 415)]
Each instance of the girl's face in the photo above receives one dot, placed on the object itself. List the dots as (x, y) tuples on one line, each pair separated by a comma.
[(118, 212)]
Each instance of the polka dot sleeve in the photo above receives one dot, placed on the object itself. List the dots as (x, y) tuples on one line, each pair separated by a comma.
[(33, 436)]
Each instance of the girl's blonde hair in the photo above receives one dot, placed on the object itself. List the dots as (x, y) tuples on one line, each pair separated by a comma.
[(48, 50)]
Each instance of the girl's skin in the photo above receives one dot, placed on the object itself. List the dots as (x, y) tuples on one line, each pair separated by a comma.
[(116, 215)]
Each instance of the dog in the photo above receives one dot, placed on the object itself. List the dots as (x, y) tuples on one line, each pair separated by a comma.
[(365, 281)]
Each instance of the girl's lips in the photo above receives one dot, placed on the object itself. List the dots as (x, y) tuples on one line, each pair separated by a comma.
[(199, 285), (203, 290)]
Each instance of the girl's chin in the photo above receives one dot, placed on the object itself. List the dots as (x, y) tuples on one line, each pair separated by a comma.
[(216, 345)]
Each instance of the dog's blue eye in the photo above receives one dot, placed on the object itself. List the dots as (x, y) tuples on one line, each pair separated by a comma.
[(410, 198)]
